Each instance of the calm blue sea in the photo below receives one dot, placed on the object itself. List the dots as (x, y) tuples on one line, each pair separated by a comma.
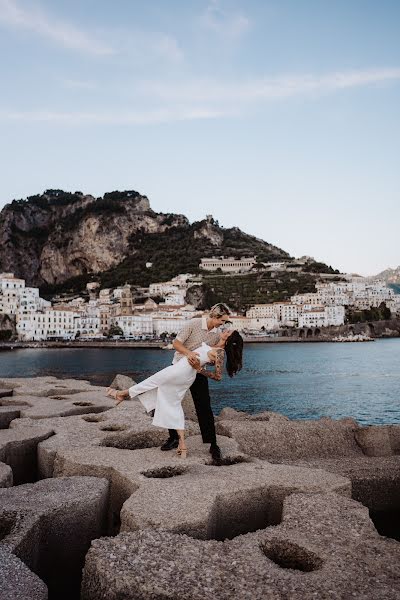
[(302, 381)]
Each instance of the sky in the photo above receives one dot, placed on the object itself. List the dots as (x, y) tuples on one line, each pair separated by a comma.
[(280, 117)]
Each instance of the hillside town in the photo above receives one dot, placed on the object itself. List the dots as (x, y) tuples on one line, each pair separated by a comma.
[(114, 313)]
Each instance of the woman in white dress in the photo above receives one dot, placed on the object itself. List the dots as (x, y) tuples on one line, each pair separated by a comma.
[(164, 391)]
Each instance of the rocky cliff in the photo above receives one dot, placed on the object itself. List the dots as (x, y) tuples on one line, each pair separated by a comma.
[(60, 237), (391, 276)]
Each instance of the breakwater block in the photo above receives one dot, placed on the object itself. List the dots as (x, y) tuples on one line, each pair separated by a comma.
[(326, 546), (49, 525), (18, 449), (17, 582), (6, 478), (8, 414)]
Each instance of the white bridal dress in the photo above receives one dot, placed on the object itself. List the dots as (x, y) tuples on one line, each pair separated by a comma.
[(165, 390)]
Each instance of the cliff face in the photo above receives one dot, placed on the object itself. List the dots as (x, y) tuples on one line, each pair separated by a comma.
[(390, 275), (58, 236)]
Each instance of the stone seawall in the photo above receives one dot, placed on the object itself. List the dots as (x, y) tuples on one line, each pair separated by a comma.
[(374, 329), (91, 509)]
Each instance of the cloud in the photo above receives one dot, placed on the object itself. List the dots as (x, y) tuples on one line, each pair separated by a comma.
[(199, 99), (64, 34), (220, 21), (135, 45), (140, 117), (210, 91)]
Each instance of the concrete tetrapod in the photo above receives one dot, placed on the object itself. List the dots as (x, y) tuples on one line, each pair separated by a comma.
[(49, 525), (44, 386), (213, 502), (375, 482), (126, 427), (18, 449), (6, 478), (159, 490), (17, 582), (274, 437), (128, 471), (8, 414), (326, 547)]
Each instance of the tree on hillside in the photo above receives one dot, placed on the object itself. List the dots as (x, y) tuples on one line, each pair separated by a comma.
[(114, 330)]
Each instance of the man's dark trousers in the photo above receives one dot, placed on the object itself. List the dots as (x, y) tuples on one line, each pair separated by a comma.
[(202, 404)]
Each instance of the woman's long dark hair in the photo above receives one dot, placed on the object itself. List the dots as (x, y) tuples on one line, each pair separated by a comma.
[(234, 353)]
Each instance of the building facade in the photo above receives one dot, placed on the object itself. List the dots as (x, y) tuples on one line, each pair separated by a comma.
[(228, 265)]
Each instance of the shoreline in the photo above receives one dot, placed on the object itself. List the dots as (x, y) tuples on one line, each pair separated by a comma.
[(374, 330), (8, 346)]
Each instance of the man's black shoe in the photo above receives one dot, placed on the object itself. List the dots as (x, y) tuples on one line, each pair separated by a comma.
[(170, 444), (215, 452)]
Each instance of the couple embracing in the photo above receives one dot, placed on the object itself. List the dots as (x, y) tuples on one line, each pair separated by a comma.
[(202, 341)]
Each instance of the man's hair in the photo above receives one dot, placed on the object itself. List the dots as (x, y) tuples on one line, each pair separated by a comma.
[(219, 310)]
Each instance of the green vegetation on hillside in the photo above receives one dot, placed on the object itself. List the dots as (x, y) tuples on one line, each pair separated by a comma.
[(319, 267), (238, 244), (372, 314), (238, 291), (178, 249), (171, 252), (47, 199), (242, 291)]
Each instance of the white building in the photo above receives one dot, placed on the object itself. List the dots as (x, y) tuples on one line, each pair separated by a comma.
[(312, 298), (271, 316), (89, 321), (240, 323), (173, 291), (334, 315), (162, 288), (357, 292), (134, 325), (373, 294), (289, 314), (16, 299), (167, 324), (263, 323), (314, 317), (321, 316), (51, 323), (228, 265), (286, 312), (275, 266), (9, 302), (10, 291), (334, 293), (8, 281), (261, 310), (394, 305), (175, 298)]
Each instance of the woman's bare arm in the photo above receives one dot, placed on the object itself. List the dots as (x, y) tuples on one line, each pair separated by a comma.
[(216, 374)]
